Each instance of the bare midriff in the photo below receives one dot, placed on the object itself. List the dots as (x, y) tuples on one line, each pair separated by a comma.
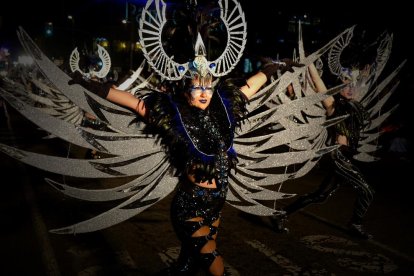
[(205, 184)]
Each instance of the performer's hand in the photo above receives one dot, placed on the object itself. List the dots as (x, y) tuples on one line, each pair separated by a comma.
[(289, 64), (77, 78), (270, 67), (100, 89)]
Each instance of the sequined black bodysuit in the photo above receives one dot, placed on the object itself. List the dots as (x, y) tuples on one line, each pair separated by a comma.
[(199, 142), (341, 169)]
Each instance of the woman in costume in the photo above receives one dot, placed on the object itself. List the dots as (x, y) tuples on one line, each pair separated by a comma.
[(345, 133), (351, 134), (196, 123), (196, 132)]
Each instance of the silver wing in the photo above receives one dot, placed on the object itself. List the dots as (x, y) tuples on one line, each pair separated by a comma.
[(374, 101), (137, 81), (334, 55), (371, 93), (44, 96), (133, 152), (284, 140)]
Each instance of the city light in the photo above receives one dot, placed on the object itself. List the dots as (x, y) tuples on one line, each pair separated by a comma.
[(49, 29)]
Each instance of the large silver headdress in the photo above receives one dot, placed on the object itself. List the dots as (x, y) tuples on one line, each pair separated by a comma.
[(153, 21), (103, 55), (360, 78), (334, 56), (353, 73)]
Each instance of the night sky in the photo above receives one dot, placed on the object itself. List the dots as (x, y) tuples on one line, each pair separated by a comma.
[(265, 19)]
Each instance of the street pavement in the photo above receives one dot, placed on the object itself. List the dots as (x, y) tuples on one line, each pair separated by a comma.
[(317, 243)]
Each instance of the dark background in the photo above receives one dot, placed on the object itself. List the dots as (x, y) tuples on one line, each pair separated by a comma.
[(389, 218), (270, 30)]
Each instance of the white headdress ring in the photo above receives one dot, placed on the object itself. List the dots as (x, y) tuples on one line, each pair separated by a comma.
[(103, 55), (150, 30), (353, 74)]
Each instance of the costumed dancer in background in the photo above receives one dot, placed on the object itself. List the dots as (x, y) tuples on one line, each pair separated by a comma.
[(97, 68), (341, 170), (352, 133)]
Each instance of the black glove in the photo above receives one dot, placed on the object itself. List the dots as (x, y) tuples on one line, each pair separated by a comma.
[(270, 66), (289, 64), (100, 89)]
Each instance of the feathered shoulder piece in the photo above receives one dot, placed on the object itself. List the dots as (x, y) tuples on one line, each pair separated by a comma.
[(159, 106), (163, 122), (234, 99)]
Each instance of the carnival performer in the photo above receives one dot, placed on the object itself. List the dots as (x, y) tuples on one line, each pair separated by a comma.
[(196, 125), (188, 136), (356, 113), (195, 122), (341, 169)]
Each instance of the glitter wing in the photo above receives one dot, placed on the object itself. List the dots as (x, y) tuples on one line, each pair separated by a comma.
[(283, 140), (374, 101), (372, 93), (141, 200), (146, 164)]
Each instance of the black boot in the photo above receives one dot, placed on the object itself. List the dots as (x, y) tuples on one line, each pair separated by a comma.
[(278, 223), (358, 230), (186, 264)]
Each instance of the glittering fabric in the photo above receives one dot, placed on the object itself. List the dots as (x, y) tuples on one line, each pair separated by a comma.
[(197, 141), (200, 143), (350, 174), (353, 124), (346, 171), (340, 172), (193, 201)]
